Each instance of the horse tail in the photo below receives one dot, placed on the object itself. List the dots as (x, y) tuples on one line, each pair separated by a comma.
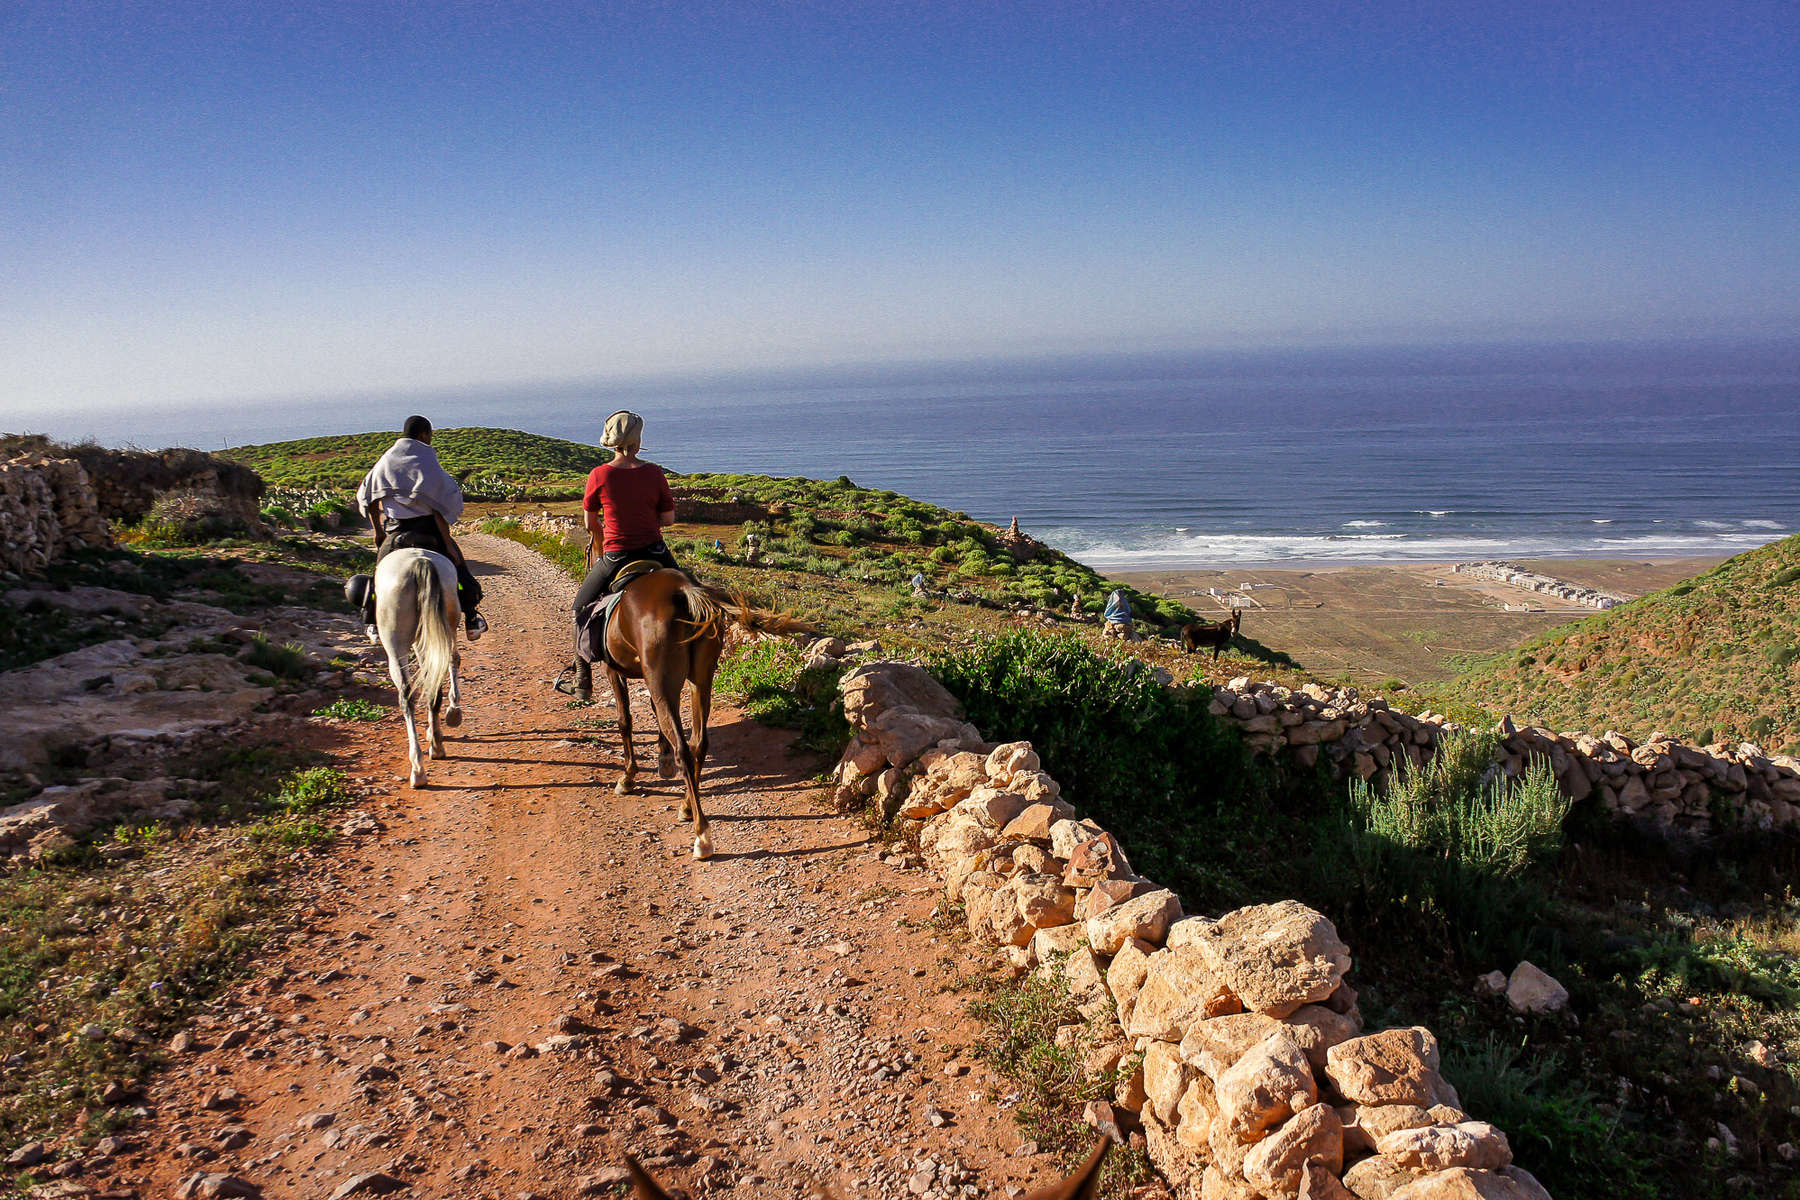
[(710, 608), (434, 645)]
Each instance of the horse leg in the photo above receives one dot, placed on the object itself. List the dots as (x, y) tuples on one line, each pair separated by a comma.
[(706, 662), (397, 671), (434, 745), (665, 701), (622, 700), (453, 717)]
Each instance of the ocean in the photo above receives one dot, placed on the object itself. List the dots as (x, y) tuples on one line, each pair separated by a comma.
[(1320, 457)]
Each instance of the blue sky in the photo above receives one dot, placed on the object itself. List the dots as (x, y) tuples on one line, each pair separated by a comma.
[(234, 201)]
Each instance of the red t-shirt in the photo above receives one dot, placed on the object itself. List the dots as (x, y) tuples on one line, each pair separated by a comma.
[(631, 499)]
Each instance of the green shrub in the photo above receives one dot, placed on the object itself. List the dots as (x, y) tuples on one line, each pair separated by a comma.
[(283, 661), (769, 680), (1146, 760), (348, 709), (1448, 845), (1554, 1122)]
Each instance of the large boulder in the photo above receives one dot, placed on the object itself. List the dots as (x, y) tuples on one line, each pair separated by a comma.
[(1266, 1086), (1473, 1144), (1126, 973), (1395, 1066), (1277, 957), (903, 710), (1147, 917), (1277, 1164), (1180, 989), (1462, 1183), (1166, 1078)]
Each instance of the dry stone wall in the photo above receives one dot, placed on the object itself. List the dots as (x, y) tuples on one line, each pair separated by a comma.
[(1663, 784), (1257, 1080), (47, 508)]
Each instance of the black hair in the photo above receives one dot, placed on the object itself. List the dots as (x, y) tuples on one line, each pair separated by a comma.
[(416, 427)]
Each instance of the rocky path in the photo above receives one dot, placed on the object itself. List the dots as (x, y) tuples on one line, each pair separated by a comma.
[(511, 976)]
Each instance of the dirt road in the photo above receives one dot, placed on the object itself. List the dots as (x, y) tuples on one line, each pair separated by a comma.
[(512, 975)]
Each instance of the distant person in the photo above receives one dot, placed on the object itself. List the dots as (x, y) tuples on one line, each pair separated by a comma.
[(1118, 615), (626, 507), (918, 583), (410, 501)]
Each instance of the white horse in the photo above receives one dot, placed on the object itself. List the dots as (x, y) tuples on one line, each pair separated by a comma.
[(417, 613)]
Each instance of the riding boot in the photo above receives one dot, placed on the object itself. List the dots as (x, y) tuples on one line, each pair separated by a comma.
[(584, 679)]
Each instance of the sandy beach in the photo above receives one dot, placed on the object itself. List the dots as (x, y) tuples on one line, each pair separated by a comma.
[(1416, 622)]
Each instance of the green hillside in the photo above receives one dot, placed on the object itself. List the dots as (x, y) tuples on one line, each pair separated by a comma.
[(1716, 657), (488, 458)]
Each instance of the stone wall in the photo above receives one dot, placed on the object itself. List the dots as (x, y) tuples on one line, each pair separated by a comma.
[(47, 508), (1256, 1078), (1664, 785)]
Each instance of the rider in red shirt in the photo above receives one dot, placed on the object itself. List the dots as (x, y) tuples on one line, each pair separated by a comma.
[(627, 505)]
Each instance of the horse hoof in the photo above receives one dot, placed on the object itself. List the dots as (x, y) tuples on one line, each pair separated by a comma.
[(703, 847), (453, 718), (665, 766), (417, 778), (623, 787)]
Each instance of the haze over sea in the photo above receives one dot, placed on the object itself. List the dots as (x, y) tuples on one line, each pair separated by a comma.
[(1373, 455)]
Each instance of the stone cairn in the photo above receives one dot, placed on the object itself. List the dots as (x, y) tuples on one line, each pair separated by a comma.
[(1256, 1078), (1501, 571), (1663, 785), (47, 508)]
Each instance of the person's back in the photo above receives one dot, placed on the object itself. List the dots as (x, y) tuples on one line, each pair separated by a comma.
[(626, 506), (410, 500)]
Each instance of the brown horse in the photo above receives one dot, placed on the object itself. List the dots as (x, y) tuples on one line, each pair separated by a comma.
[(1206, 633), (668, 631), (1084, 1184)]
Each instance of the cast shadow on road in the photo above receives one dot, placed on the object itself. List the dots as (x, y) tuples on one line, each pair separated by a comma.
[(793, 852)]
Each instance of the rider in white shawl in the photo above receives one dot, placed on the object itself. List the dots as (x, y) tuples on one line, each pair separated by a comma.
[(410, 501)]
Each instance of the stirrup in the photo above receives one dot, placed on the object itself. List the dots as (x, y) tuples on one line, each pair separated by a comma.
[(568, 687)]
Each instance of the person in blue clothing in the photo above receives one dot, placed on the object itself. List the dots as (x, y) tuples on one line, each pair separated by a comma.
[(1118, 622)]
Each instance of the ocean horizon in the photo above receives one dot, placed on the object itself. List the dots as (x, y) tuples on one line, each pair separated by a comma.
[(1143, 462)]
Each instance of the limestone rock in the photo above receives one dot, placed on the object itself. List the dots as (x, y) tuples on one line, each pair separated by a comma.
[(1166, 1078), (1214, 1046), (1474, 1144), (1276, 957), (1263, 1088), (1180, 988), (1125, 975), (1147, 917), (1277, 1164), (1530, 990), (1316, 1183), (1012, 758), (1366, 1124), (1034, 821), (1378, 1178), (1065, 835), (1395, 1066), (1462, 1183), (1216, 1185)]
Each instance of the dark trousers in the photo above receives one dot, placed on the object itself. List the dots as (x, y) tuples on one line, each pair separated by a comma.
[(600, 575), (420, 533)]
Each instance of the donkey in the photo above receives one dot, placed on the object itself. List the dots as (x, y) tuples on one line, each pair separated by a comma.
[(1206, 633), (417, 613), (668, 631), (1084, 1184)]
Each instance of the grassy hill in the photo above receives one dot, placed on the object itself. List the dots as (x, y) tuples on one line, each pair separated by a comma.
[(491, 463), (832, 530), (1714, 657)]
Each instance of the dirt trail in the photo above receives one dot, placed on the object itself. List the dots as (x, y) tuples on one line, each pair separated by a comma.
[(512, 975)]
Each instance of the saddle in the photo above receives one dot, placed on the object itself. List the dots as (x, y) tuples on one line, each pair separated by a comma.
[(590, 637)]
